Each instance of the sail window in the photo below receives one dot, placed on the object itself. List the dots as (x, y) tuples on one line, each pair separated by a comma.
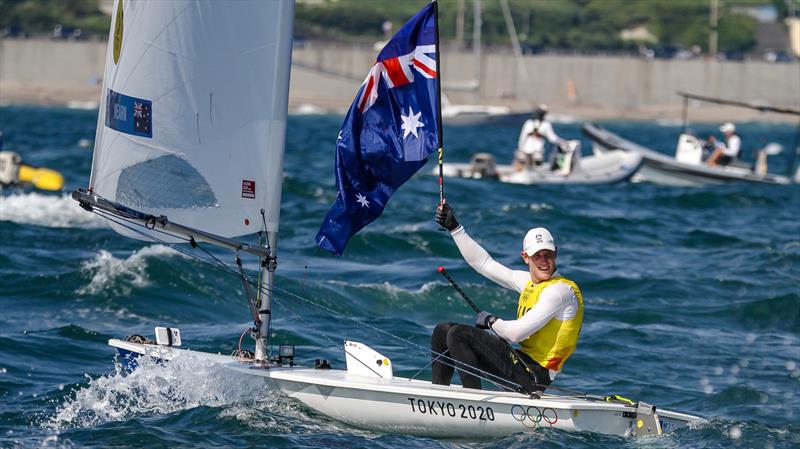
[(164, 182)]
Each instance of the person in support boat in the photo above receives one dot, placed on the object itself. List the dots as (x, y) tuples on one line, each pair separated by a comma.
[(531, 144), (547, 324), (725, 152)]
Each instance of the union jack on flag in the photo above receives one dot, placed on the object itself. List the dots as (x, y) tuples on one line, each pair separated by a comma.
[(391, 128), (396, 72), (137, 110)]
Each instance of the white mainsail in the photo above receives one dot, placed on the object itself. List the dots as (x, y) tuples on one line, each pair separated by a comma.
[(193, 113)]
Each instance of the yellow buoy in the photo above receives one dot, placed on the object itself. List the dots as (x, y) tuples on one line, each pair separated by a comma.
[(41, 178)]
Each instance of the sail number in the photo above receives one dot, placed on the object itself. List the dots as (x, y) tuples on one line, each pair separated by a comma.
[(440, 408), (120, 112)]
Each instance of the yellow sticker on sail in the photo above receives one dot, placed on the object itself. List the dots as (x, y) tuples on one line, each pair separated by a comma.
[(118, 33)]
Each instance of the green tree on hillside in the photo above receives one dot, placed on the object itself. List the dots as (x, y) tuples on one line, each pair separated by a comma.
[(552, 24), (41, 16)]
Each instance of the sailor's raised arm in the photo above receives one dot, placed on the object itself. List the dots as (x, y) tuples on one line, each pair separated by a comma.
[(477, 257), (550, 134)]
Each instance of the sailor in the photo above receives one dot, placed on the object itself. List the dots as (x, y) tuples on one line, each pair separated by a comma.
[(725, 152), (14, 173), (531, 144), (547, 325)]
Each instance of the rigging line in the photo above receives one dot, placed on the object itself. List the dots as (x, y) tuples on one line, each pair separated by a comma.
[(297, 315), (306, 354), (222, 267), (427, 365), (455, 363), (115, 219)]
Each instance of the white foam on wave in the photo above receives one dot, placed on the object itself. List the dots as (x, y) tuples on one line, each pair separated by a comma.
[(536, 207), (154, 388), (108, 270), (47, 210), (394, 291)]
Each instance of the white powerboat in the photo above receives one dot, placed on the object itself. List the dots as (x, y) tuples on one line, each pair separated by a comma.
[(608, 168), (686, 168)]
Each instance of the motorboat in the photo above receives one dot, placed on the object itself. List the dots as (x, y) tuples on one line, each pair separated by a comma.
[(610, 167), (687, 167)]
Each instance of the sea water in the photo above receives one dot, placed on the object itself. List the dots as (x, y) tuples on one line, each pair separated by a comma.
[(692, 297)]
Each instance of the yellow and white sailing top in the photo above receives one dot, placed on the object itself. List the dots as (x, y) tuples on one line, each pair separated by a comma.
[(549, 314)]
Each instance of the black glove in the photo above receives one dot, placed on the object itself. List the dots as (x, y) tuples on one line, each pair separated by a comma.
[(445, 217), (485, 320)]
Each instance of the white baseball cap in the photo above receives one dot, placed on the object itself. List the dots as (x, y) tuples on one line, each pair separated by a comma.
[(727, 127), (538, 239)]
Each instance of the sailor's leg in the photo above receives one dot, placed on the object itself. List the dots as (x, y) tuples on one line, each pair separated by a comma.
[(712, 160), (441, 366), (479, 349)]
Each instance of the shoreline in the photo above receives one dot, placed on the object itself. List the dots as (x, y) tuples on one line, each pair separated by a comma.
[(53, 94)]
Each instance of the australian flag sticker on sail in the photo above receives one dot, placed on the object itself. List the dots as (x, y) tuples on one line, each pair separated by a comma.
[(129, 115)]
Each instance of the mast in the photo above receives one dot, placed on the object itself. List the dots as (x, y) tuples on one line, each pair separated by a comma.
[(512, 34), (266, 281), (476, 42)]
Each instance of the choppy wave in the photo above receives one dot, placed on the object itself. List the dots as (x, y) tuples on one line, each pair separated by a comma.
[(154, 388), (107, 270), (47, 210)]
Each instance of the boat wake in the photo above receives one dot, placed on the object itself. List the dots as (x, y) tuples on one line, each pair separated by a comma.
[(47, 210), (154, 388), (108, 271)]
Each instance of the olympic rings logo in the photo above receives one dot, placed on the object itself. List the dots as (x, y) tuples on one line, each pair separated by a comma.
[(533, 416)]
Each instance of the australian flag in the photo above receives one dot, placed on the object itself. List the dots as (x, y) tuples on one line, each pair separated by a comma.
[(391, 128)]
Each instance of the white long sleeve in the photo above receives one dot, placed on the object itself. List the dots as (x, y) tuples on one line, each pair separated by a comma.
[(480, 260), (556, 301), (546, 130)]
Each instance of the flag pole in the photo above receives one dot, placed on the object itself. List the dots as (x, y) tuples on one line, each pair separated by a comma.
[(439, 101)]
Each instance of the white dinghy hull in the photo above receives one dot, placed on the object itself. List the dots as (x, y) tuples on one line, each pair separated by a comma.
[(613, 167), (400, 405)]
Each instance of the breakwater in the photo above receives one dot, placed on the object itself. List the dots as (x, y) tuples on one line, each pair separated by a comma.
[(327, 75)]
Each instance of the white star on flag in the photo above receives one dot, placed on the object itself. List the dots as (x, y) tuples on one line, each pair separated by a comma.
[(361, 199), (411, 123), (339, 137)]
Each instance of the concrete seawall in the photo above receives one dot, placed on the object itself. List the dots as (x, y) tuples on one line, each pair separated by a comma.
[(328, 75)]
